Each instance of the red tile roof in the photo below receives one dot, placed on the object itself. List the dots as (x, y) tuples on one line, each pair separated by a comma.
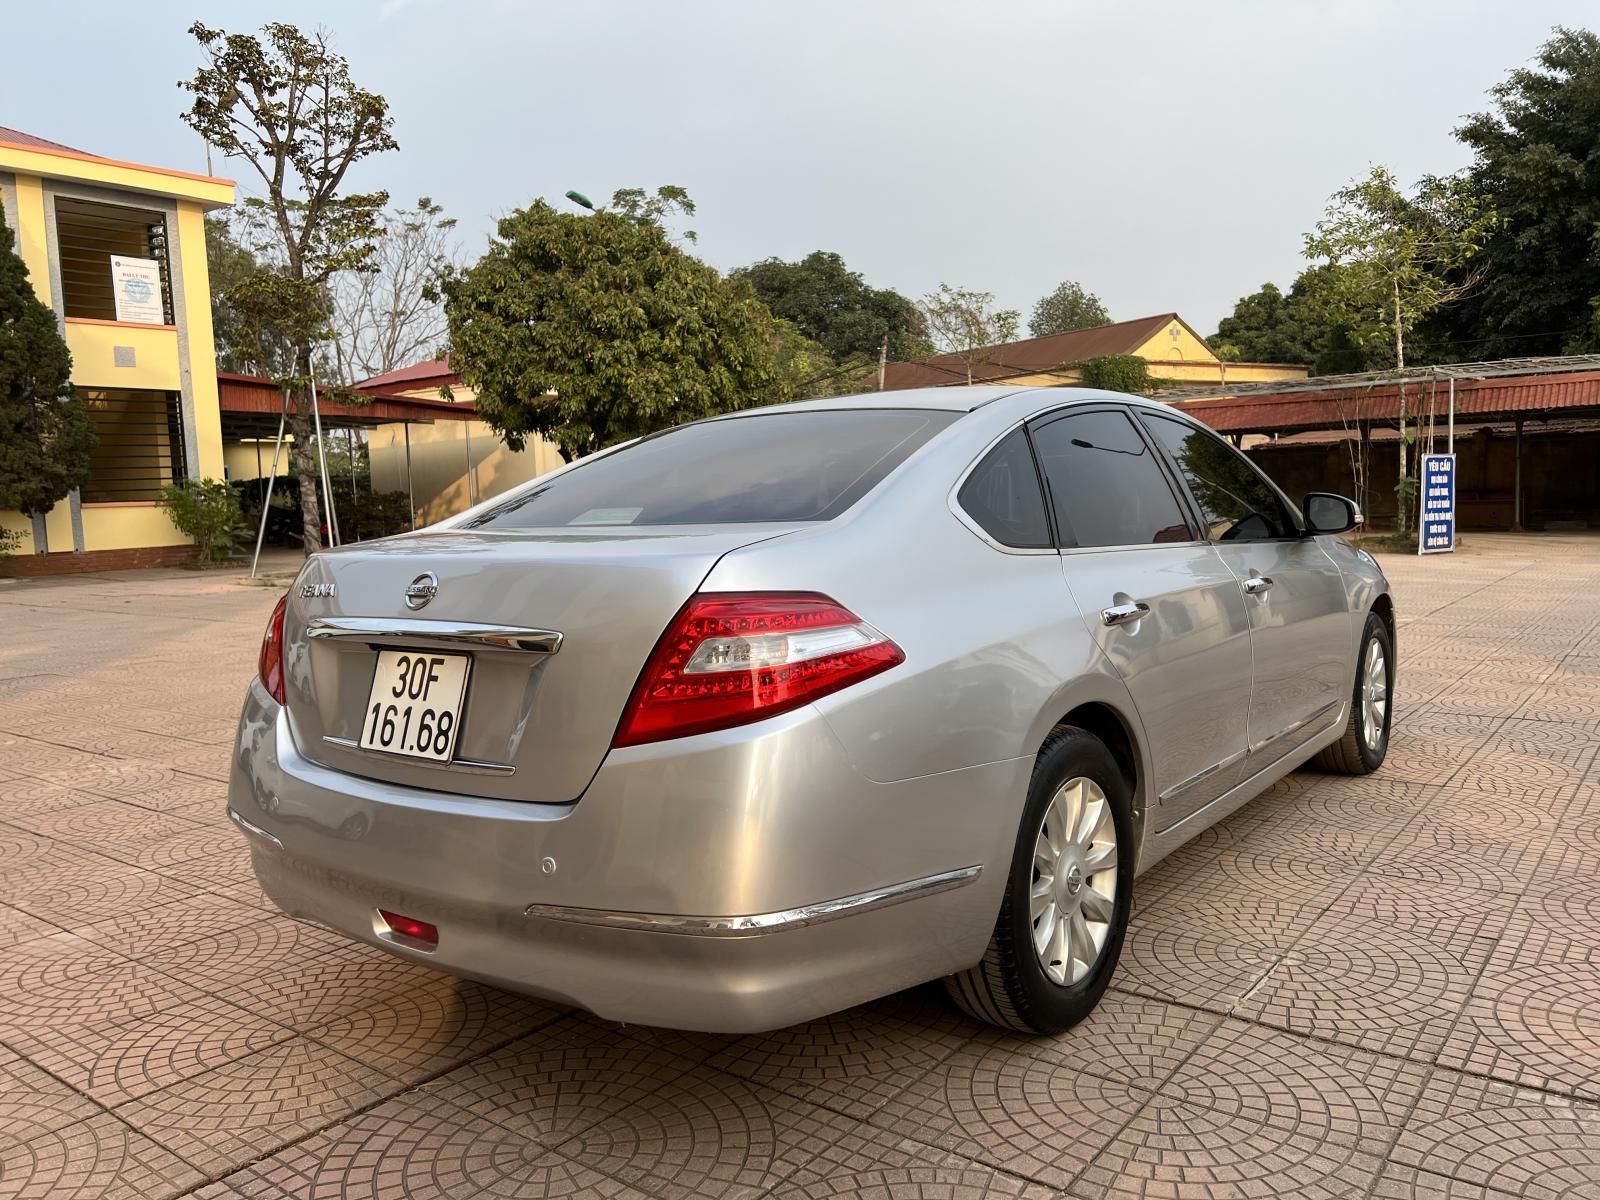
[(1028, 356), (435, 371), (17, 138), (1280, 412), (252, 394)]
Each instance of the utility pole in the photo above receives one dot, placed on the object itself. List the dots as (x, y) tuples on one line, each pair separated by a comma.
[(883, 360)]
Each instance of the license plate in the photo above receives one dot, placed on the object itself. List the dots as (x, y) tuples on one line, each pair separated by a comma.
[(415, 704)]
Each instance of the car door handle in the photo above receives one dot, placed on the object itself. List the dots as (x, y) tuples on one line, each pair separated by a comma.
[(1258, 584), (1124, 614)]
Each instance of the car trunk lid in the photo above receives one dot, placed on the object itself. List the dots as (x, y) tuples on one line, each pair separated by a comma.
[(539, 710)]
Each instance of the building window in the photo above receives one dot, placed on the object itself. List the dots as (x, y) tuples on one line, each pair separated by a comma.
[(88, 236), (140, 447)]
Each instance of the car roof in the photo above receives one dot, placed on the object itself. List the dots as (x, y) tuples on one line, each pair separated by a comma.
[(1027, 400)]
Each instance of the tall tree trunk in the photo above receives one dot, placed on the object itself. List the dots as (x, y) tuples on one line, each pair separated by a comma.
[(1401, 520), (305, 453)]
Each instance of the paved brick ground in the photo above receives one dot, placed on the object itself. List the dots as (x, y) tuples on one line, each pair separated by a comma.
[(1385, 987)]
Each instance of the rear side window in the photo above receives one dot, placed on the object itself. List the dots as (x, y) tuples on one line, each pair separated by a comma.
[(1105, 484), (1237, 503), (794, 466), (1003, 496)]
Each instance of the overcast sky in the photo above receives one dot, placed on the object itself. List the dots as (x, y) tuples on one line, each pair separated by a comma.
[(1168, 156)]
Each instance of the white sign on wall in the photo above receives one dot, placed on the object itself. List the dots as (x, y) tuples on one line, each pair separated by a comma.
[(136, 283)]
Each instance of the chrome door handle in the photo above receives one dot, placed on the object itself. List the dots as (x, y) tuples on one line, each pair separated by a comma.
[(1257, 584), (1124, 614)]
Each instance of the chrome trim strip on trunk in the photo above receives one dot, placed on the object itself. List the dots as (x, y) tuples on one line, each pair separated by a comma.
[(414, 630), (474, 765), (758, 923), (254, 831)]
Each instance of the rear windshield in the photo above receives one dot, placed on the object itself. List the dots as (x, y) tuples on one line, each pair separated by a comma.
[(783, 466)]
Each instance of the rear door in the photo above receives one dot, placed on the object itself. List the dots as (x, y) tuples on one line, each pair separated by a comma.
[(1293, 592), (1161, 603)]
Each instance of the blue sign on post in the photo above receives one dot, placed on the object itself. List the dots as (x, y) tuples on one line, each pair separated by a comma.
[(1438, 533)]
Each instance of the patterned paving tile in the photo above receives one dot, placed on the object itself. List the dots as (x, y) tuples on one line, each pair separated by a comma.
[(444, 1022), (34, 1103), (65, 981), (1492, 1135), (121, 1059), (415, 1146), (1323, 1090), (559, 1080), (856, 1060), (235, 1113), (1393, 989), (146, 932), (1003, 1104), (870, 1164), (707, 1134), (96, 1159), (1177, 1150)]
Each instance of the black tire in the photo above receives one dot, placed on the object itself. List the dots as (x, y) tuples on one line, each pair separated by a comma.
[(1351, 754), (1008, 986)]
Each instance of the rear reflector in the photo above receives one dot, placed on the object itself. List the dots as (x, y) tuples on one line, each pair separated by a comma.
[(270, 664), (731, 658), (410, 927)]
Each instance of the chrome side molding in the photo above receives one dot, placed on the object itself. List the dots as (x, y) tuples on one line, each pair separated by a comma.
[(758, 923), (419, 631)]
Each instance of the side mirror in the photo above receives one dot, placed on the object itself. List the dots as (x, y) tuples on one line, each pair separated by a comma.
[(1328, 513)]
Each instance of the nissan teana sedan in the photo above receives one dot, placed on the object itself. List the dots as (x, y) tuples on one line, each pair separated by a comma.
[(767, 715)]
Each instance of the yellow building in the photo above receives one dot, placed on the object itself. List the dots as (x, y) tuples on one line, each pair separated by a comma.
[(452, 464), (118, 250), (1175, 353)]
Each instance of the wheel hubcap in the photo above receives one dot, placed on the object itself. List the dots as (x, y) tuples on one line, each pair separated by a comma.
[(1074, 880), (1374, 694)]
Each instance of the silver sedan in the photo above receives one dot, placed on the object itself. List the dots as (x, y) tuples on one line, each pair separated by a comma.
[(764, 716)]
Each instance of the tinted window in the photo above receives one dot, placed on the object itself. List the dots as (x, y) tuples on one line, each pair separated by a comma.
[(797, 466), (1105, 483), (1237, 503), (1003, 496)]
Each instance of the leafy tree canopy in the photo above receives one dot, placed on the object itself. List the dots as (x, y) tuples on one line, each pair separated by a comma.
[(1273, 327), (285, 104), (834, 307), (1537, 161), (1115, 373), (966, 323), (591, 329), (1395, 259), (1068, 307), (46, 437)]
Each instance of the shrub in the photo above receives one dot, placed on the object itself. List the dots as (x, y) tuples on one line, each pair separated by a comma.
[(10, 543), (208, 511), (1115, 373)]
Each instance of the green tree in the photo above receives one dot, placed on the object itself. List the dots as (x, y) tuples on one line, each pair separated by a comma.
[(285, 104), (1274, 327), (1067, 307), (1115, 373), (836, 308), (1537, 162), (589, 330), (965, 323), (1396, 260), (244, 343), (46, 437)]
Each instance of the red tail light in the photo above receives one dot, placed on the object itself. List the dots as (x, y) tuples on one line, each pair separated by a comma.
[(270, 664), (731, 658)]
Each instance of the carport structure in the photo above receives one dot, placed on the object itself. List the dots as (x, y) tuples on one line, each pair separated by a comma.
[(251, 407), (1527, 432)]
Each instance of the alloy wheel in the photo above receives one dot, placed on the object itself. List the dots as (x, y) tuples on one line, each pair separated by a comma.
[(1073, 899), (1374, 694)]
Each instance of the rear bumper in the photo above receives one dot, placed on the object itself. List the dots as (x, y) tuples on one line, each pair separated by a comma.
[(733, 882)]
